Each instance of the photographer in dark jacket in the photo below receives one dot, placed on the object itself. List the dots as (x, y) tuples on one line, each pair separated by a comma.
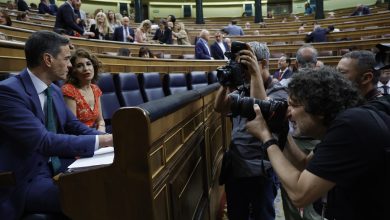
[(249, 179)]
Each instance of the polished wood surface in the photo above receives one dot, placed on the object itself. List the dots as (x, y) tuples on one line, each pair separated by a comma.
[(165, 168)]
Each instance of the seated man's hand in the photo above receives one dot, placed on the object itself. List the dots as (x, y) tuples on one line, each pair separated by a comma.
[(105, 140)]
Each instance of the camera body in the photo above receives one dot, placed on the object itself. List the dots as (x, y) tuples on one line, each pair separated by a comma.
[(232, 74), (273, 111)]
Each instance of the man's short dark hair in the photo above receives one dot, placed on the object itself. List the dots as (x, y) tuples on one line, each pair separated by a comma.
[(234, 22), (323, 92), (42, 42), (307, 56), (365, 61)]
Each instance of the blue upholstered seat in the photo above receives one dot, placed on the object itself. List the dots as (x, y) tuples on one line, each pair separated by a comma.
[(128, 89), (198, 79), (109, 99), (175, 83), (151, 86)]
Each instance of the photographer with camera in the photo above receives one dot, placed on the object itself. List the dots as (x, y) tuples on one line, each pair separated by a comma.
[(248, 177), (349, 164)]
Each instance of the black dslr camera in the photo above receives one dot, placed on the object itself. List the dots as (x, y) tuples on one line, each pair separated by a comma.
[(232, 74), (273, 111), (382, 58)]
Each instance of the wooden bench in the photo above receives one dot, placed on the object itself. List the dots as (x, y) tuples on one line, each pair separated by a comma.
[(167, 160)]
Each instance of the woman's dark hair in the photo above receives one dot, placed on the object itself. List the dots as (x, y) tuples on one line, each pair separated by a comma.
[(323, 92), (7, 18), (83, 53), (21, 16), (145, 50), (172, 18)]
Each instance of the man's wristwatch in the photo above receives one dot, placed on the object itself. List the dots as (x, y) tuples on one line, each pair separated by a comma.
[(270, 142)]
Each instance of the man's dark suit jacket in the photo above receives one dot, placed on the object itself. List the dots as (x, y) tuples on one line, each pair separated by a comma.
[(118, 34), (216, 51), (25, 143), (65, 19), (165, 38), (201, 51), (43, 9), (22, 5), (286, 74)]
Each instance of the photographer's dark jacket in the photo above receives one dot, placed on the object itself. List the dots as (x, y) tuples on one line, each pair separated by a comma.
[(246, 154)]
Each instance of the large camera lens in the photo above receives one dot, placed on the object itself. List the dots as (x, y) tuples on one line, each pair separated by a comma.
[(273, 111), (231, 74)]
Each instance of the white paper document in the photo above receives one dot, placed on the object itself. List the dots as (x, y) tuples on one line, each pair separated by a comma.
[(102, 156)]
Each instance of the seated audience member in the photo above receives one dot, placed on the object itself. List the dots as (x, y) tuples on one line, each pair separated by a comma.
[(349, 156), (384, 82), (301, 28), (145, 53), (125, 52), (124, 33), (308, 9), (171, 18), (284, 71), (331, 15), (141, 34), (317, 35), (35, 121), (101, 29), (256, 32), (5, 19), (270, 15), (22, 5), (247, 25), (33, 6), (228, 41), (44, 8), (331, 28), (10, 5), (181, 34), (233, 29), (202, 49), (219, 47), (361, 10), (163, 34), (112, 21), (81, 94), (22, 16)]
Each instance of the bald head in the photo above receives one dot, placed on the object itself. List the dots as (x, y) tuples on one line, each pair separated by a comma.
[(125, 21), (306, 57)]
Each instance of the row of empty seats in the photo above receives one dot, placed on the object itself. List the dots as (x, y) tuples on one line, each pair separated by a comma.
[(130, 89)]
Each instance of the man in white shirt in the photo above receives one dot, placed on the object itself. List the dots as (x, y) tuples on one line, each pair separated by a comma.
[(219, 47), (384, 82)]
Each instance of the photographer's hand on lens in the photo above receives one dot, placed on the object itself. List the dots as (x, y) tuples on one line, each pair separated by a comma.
[(258, 127)]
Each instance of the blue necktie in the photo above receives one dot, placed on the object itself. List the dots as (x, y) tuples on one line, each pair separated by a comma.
[(385, 92), (51, 126)]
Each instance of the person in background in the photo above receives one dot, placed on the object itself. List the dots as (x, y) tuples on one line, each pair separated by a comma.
[(202, 49), (219, 47), (308, 9), (22, 16), (38, 131), (270, 15), (44, 8), (22, 5), (256, 32), (124, 33), (146, 53), (247, 25), (181, 34), (228, 41), (141, 34), (163, 34), (233, 29), (5, 18), (81, 14), (384, 82), (284, 71), (66, 19), (112, 20), (361, 10), (125, 52), (172, 19), (101, 29), (81, 94)]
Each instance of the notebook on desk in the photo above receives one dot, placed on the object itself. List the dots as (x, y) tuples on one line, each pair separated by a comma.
[(102, 156)]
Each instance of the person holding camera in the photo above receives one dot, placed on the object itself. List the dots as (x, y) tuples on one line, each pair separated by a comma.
[(348, 165), (248, 177)]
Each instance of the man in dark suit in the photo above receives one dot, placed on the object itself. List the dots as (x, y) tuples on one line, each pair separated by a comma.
[(22, 5), (284, 71), (163, 35), (219, 47), (66, 19), (202, 50), (32, 137), (124, 33)]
